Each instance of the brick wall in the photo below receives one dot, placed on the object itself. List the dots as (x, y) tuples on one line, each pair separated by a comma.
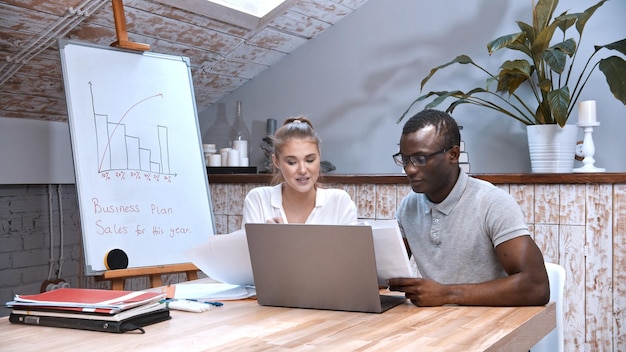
[(28, 213)]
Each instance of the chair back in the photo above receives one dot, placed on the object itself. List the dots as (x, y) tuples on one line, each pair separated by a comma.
[(553, 342)]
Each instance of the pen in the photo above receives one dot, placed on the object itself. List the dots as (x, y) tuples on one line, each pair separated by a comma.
[(213, 303)]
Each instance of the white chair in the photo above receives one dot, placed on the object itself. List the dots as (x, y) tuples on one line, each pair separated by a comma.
[(553, 342)]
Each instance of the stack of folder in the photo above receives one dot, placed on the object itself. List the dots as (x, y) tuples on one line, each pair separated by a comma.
[(90, 309)]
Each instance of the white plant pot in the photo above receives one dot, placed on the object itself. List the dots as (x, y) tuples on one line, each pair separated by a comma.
[(552, 148)]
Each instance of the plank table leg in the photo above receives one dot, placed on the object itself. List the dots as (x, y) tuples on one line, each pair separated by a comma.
[(117, 284), (192, 275), (155, 280)]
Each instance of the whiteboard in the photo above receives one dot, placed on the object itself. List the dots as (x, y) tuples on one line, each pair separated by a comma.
[(140, 172)]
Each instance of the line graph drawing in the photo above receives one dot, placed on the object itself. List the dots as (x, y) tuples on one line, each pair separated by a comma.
[(119, 151)]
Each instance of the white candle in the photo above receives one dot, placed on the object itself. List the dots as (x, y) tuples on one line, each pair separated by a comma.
[(242, 146), (587, 111), (215, 160), (244, 162), (224, 156), (233, 157)]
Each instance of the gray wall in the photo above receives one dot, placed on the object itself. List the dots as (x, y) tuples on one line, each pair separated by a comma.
[(354, 80)]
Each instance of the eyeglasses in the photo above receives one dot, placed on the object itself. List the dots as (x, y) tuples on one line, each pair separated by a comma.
[(416, 159)]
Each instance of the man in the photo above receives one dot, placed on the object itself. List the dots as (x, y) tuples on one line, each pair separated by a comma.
[(468, 237)]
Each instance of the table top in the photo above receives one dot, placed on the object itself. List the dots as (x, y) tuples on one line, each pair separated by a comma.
[(244, 325)]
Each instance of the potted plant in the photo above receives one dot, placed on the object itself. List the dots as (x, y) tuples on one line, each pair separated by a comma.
[(546, 72)]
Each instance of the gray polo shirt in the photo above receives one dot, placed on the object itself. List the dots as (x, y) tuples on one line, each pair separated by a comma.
[(454, 241)]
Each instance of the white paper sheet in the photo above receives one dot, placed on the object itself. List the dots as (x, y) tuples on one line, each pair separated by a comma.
[(392, 260), (212, 291), (224, 258)]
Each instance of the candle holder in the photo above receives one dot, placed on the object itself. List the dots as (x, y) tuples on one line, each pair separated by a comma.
[(587, 149)]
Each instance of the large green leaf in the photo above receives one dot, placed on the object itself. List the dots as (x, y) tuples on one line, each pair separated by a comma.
[(619, 45), (528, 29), (512, 74), (540, 114), (542, 42), (559, 102), (504, 41), (461, 59), (555, 59), (568, 46), (566, 20), (542, 13), (545, 85), (614, 69), (443, 96), (584, 17)]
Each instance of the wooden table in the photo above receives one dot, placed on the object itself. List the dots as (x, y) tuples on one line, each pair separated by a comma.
[(245, 326)]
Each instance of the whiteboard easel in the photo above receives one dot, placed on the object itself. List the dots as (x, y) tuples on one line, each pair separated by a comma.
[(138, 160)]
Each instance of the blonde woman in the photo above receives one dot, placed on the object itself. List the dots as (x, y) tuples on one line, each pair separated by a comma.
[(296, 196)]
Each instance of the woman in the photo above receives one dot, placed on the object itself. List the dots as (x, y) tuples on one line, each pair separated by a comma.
[(296, 197)]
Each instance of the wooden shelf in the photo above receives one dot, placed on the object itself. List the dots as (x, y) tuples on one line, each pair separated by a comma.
[(570, 178)]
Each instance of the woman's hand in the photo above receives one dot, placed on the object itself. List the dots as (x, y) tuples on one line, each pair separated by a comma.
[(276, 220)]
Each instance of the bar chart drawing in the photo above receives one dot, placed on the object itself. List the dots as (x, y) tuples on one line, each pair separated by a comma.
[(118, 150)]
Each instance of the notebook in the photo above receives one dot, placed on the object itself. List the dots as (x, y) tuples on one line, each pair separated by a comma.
[(316, 266), (124, 325)]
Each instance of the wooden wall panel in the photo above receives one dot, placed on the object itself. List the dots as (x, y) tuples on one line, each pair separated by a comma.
[(366, 201), (234, 223), (350, 189), (385, 201), (547, 238), (525, 196), (619, 267), (221, 224), (402, 191), (547, 204), (572, 205), (235, 200), (573, 260), (599, 267), (219, 197)]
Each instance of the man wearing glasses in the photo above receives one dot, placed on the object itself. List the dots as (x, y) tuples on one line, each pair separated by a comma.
[(468, 238)]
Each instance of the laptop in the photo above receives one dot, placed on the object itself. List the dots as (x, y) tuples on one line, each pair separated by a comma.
[(316, 266)]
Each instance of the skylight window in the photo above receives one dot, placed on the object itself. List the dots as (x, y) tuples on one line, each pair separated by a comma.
[(256, 8), (249, 14)]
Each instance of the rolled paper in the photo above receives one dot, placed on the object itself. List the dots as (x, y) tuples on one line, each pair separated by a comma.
[(587, 111), (233, 158)]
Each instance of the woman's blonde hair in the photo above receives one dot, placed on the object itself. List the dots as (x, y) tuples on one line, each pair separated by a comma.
[(293, 128)]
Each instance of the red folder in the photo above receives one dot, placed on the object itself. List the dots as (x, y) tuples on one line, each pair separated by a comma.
[(87, 300)]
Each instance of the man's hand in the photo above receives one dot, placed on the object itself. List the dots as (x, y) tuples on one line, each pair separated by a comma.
[(421, 292)]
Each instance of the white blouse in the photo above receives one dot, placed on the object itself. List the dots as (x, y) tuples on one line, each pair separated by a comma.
[(332, 206)]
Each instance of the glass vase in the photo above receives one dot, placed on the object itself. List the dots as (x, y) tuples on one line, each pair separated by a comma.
[(218, 133), (239, 134)]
